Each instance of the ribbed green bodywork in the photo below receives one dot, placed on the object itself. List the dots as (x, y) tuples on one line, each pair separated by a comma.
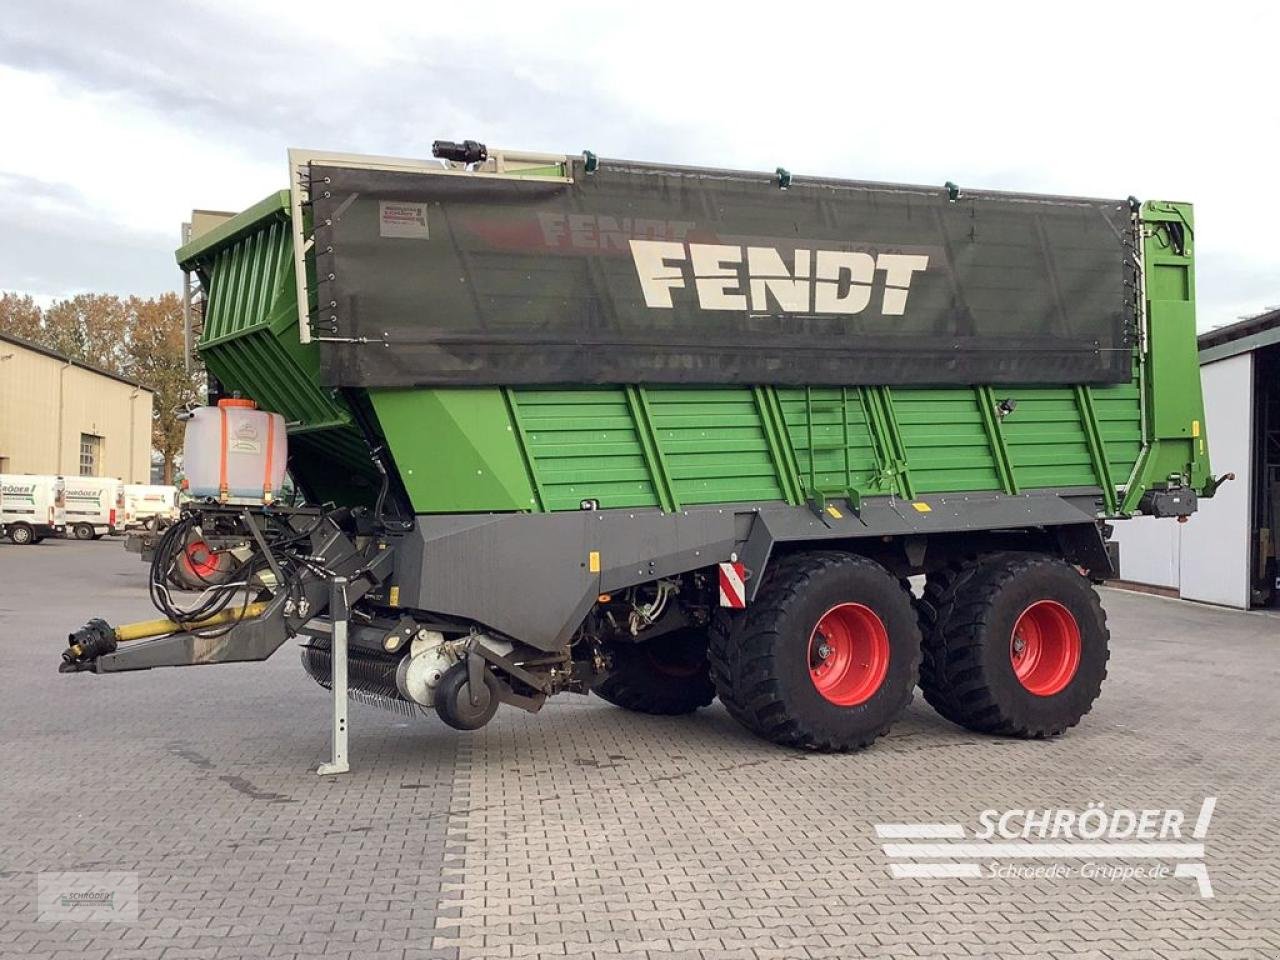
[(675, 447), (463, 450)]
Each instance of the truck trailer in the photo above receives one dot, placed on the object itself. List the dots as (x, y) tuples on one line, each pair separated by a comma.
[(666, 434)]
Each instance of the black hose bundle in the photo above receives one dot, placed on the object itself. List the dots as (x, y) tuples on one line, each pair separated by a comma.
[(216, 597), (289, 548)]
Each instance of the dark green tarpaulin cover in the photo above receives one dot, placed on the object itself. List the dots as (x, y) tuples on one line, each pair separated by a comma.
[(650, 274)]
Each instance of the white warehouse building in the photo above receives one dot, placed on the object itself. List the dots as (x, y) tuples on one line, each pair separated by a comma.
[(1226, 552)]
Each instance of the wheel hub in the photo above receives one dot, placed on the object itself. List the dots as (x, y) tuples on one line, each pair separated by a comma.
[(1044, 648), (848, 654)]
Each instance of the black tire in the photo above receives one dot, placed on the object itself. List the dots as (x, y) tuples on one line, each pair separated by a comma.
[(20, 534), (968, 615), (761, 664), (82, 531), (452, 699), (667, 676)]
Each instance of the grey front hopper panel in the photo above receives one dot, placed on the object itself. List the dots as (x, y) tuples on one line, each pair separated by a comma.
[(535, 576)]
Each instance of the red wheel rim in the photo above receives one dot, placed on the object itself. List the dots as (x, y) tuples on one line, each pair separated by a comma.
[(1045, 648), (848, 654), (203, 562)]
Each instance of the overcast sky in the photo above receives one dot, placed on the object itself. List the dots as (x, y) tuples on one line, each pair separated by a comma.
[(121, 117)]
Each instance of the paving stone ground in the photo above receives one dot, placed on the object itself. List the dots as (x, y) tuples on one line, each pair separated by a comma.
[(588, 832)]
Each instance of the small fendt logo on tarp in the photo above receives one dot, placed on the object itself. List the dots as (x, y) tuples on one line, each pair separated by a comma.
[(818, 281)]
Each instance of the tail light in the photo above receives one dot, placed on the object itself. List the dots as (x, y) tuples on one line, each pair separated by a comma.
[(111, 518)]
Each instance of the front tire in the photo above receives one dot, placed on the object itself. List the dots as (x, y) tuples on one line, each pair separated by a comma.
[(826, 656), (667, 676), (1014, 645)]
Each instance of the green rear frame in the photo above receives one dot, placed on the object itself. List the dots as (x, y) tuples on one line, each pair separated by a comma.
[(469, 450)]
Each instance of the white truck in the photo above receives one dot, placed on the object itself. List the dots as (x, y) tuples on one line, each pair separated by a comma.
[(149, 506), (95, 507), (32, 507)]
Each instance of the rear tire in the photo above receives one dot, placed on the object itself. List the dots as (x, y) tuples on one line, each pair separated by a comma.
[(667, 676), (20, 534), (825, 658), (82, 531), (1014, 645)]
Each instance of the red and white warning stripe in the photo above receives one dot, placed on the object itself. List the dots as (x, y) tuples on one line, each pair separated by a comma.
[(733, 591)]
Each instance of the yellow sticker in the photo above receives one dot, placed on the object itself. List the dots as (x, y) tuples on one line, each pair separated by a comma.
[(1195, 428), (922, 507), (593, 561), (835, 513), (395, 596)]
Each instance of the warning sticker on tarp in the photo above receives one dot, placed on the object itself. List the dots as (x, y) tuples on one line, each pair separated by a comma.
[(648, 274), (407, 221)]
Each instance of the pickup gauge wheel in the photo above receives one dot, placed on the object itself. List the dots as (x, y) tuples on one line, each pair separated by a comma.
[(452, 699), (825, 657)]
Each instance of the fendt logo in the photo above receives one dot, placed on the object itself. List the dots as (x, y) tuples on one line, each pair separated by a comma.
[(819, 281)]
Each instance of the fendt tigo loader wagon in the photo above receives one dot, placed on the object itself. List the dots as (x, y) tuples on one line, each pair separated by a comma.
[(667, 434)]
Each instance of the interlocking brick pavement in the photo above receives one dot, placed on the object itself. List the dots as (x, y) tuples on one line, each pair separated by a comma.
[(585, 831)]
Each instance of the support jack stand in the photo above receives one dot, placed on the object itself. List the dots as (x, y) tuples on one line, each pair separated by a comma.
[(339, 613)]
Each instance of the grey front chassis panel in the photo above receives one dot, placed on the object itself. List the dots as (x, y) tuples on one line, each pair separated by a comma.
[(529, 575)]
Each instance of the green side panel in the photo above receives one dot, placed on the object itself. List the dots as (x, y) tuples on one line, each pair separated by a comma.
[(1046, 438), (1120, 426), (457, 450), (713, 445), (1177, 451), (1169, 251), (829, 432), (584, 444), (947, 445), (1175, 369)]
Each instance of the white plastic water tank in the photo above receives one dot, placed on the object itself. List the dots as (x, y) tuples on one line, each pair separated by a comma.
[(234, 452)]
